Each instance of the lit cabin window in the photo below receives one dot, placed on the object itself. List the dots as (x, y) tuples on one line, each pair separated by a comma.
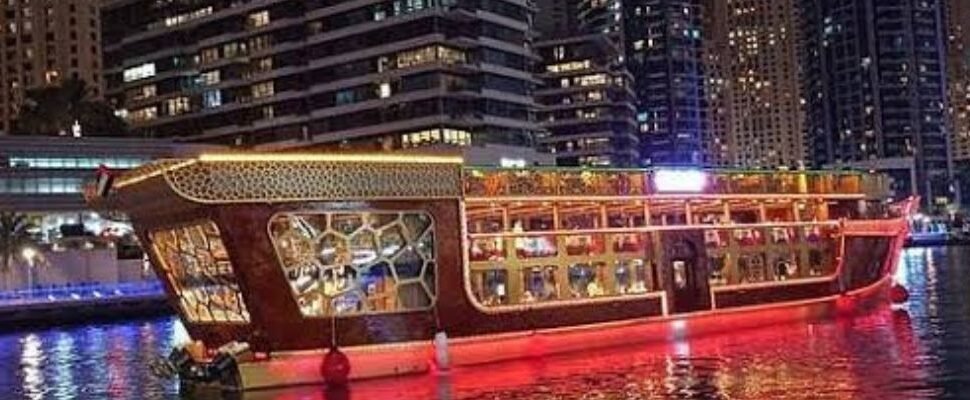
[(350, 263)]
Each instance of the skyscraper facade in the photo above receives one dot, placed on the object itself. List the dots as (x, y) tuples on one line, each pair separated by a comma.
[(752, 51), (719, 147), (664, 53), (958, 66), (45, 42), (318, 73), (875, 86), (586, 101)]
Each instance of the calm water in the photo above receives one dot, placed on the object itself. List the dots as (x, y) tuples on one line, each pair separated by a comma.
[(922, 351)]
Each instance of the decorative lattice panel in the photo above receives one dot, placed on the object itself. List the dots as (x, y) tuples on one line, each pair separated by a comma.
[(197, 265), (313, 180)]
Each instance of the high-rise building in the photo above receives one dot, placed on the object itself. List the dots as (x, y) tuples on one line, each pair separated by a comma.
[(875, 86), (719, 147), (45, 42), (318, 73), (753, 77), (958, 66), (586, 102), (664, 54)]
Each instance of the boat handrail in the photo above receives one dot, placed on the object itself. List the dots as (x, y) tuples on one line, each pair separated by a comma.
[(773, 284), (654, 228)]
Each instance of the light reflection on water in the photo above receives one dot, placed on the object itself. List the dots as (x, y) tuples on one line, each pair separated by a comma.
[(919, 352)]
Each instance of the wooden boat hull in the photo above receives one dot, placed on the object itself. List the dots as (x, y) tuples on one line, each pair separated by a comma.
[(382, 361), (262, 250)]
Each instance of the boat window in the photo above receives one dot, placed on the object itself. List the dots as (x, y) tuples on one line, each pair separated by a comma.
[(585, 245), (487, 249), (848, 209), (535, 247), (811, 210), (785, 266), (745, 212), (633, 277), (779, 211), (635, 243), (580, 216), (817, 262), (716, 238), (778, 253), (746, 237), (625, 215), (708, 212), (587, 280), (751, 268), (664, 213), (197, 266), (531, 217), (540, 283), (487, 219), (559, 251), (491, 286), (346, 263), (718, 266)]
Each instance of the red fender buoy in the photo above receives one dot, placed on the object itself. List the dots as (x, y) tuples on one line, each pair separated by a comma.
[(335, 368), (898, 294)]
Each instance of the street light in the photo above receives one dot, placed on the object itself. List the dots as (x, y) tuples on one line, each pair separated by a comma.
[(29, 255)]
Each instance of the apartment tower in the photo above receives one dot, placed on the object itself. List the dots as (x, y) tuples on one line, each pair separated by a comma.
[(45, 42), (282, 74), (875, 87)]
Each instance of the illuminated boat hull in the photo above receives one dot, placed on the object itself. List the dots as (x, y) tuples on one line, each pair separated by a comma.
[(224, 235)]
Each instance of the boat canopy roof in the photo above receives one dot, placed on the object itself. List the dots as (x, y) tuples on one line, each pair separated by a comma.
[(289, 177)]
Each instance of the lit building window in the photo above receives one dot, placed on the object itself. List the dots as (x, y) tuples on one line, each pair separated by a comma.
[(258, 19), (209, 78), (429, 54), (143, 114), (433, 136), (211, 98), (178, 105), (146, 70), (209, 55), (569, 66), (384, 90), (590, 80), (263, 89), (186, 17), (142, 92), (51, 76)]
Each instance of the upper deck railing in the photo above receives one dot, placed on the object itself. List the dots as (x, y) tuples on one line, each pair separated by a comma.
[(555, 182)]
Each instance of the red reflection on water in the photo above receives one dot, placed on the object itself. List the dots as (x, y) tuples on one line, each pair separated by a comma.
[(871, 356)]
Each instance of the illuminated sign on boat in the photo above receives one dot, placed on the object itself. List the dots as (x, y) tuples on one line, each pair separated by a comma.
[(680, 180)]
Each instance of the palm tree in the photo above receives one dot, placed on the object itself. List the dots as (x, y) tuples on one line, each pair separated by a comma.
[(53, 110), (14, 236)]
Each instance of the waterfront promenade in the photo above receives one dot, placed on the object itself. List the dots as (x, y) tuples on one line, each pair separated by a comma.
[(78, 302)]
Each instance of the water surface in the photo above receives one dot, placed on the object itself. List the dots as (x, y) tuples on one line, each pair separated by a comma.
[(921, 351)]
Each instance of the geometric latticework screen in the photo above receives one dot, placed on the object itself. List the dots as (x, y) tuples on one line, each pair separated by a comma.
[(197, 265), (346, 263)]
